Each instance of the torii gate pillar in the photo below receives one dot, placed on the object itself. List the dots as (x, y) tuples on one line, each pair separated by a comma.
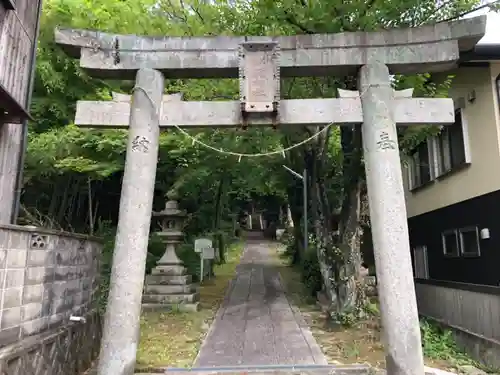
[(123, 311), (389, 224)]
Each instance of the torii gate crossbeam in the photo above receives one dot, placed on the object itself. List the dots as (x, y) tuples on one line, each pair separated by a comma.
[(259, 62), (406, 111), (426, 49)]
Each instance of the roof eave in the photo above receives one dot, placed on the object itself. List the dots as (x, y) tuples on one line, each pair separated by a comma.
[(482, 52)]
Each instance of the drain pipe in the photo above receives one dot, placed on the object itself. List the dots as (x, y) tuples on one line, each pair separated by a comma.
[(24, 135)]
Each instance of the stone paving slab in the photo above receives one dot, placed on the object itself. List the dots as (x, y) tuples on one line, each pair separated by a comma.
[(358, 369), (256, 324)]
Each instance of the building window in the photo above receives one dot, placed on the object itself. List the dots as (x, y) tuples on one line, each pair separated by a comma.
[(452, 145), (450, 243), (421, 270), (469, 242), (421, 165)]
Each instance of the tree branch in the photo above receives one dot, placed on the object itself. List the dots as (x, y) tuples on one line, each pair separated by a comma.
[(196, 10), (290, 18), (487, 5)]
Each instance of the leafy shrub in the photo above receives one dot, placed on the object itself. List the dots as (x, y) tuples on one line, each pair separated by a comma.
[(311, 274), (107, 232), (438, 343), (156, 248), (219, 240), (291, 246), (191, 260)]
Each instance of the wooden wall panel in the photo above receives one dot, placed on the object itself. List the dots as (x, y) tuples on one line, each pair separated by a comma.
[(474, 312), (26, 12), (3, 13), (15, 57), (10, 148), (17, 35)]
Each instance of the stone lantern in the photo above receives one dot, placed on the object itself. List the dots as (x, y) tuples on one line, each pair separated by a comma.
[(171, 223), (169, 285)]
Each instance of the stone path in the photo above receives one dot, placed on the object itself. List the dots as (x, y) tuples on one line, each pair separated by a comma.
[(256, 324)]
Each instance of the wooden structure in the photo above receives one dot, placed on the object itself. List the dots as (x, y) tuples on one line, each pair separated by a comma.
[(18, 38)]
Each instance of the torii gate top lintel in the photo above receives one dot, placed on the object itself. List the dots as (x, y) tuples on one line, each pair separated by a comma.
[(428, 48)]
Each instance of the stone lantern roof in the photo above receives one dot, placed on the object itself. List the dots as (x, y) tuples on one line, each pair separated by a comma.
[(171, 210)]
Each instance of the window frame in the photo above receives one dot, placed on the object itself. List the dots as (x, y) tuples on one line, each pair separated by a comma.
[(443, 242), (422, 248), (441, 169), (413, 166), (435, 151), (461, 241)]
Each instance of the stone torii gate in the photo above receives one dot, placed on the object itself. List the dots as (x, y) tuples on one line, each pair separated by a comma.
[(259, 62)]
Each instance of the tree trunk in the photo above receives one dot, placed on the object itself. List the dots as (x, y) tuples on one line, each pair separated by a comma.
[(313, 170), (90, 206), (289, 220), (349, 284), (63, 203), (350, 287), (218, 215), (294, 193)]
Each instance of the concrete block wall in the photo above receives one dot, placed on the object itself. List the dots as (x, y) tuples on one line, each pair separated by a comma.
[(45, 277)]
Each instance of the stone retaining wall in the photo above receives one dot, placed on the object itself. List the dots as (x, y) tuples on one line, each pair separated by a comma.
[(45, 277), (68, 350)]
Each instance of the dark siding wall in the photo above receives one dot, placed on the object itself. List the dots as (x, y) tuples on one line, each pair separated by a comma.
[(483, 212)]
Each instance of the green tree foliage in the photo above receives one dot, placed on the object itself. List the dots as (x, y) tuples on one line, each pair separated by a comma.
[(62, 158), (73, 175)]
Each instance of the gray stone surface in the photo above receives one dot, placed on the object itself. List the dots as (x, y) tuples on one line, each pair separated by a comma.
[(121, 325), (256, 325), (424, 49), (170, 298), (389, 224), (165, 293), (470, 370), (267, 370), (168, 279), (45, 277), (119, 97), (427, 371), (347, 110), (182, 307)]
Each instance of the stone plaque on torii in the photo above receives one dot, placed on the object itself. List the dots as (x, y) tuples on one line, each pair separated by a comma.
[(259, 62)]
